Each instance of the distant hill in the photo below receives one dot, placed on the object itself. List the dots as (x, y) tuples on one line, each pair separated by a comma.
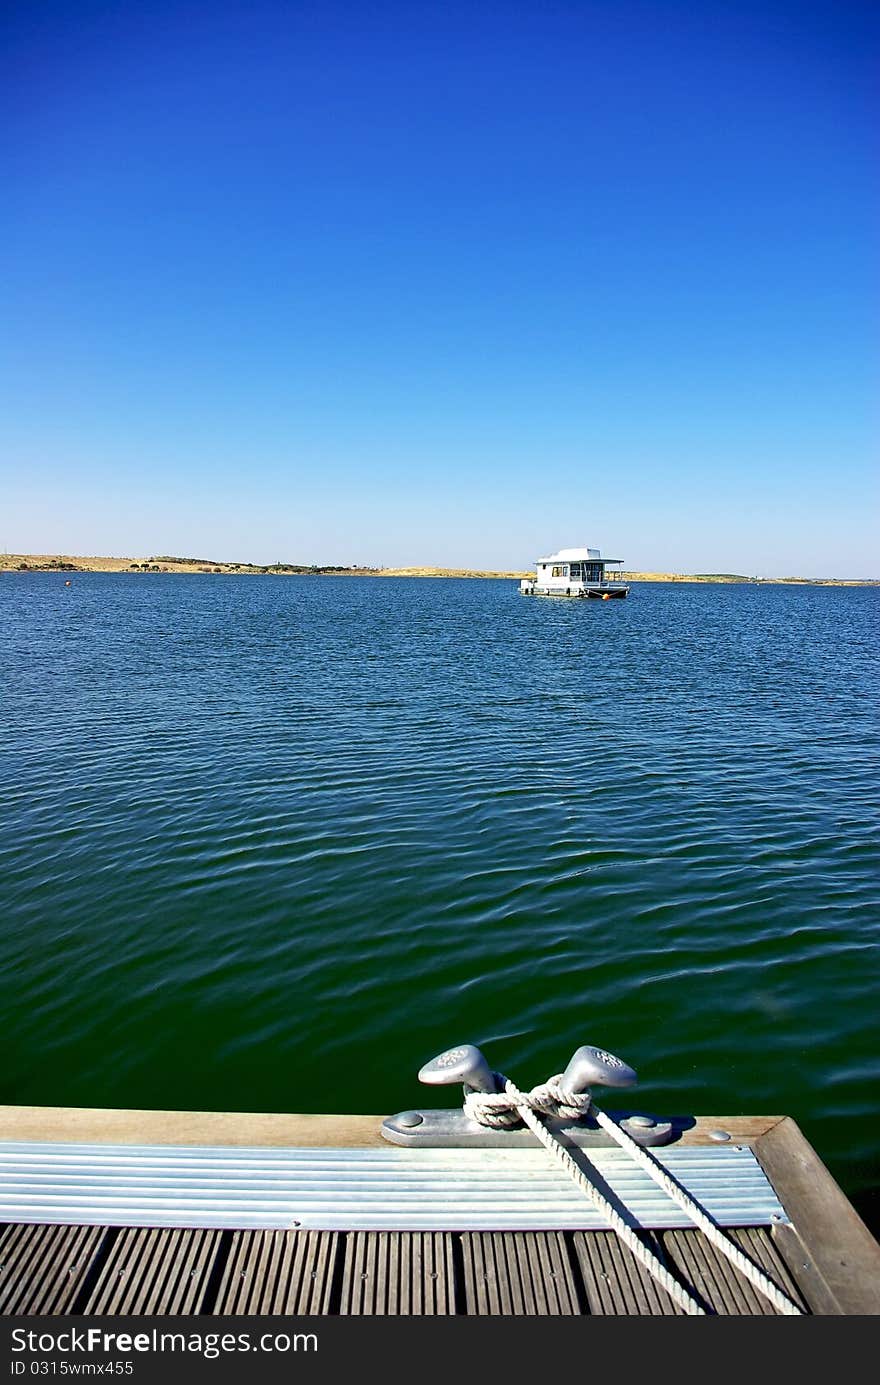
[(61, 562), (733, 577), (50, 562)]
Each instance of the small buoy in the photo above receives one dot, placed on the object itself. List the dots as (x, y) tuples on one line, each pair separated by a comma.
[(67, 584), (606, 596)]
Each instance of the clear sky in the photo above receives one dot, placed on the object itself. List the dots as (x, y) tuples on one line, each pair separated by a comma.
[(447, 283)]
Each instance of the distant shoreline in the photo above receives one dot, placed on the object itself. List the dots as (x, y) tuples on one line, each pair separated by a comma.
[(60, 563)]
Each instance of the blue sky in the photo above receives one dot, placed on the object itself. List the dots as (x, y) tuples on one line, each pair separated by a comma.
[(439, 283)]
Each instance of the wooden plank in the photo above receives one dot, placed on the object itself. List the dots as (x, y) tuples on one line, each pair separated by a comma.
[(758, 1244), (702, 1270), (698, 1130), (398, 1272), (42, 1268), (598, 1276), (83, 1125), (830, 1251), (87, 1125), (278, 1272), (503, 1290), (821, 1300), (522, 1273), (615, 1282), (482, 1295), (155, 1271), (549, 1249), (719, 1285)]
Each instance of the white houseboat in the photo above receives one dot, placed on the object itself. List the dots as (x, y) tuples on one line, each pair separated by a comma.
[(574, 572)]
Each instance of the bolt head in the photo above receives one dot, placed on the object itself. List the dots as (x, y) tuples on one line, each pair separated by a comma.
[(409, 1119)]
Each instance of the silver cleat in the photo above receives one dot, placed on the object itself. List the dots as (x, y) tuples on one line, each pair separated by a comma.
[(593, 1067), (456, 1130), (464, 1064)]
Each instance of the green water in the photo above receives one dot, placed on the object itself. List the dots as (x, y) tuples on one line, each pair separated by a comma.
[(268, 844)]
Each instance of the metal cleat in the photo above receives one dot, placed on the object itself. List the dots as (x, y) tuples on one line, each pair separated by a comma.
[(465, 1064), (452, 1129), (593, 1067)]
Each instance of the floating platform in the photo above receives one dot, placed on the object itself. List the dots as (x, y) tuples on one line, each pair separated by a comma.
[(602, 593), (153, 1212)]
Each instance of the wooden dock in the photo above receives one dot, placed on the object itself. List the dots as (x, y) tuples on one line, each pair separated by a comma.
[(826, 1260)]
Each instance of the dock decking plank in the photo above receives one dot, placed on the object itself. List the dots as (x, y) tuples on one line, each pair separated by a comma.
[(43, 1268), (280, 1272), (616, 1283), (721, 1288), (721, 1293), (759, 1244), (397, 1272), (520, 1272), (154, 1271)]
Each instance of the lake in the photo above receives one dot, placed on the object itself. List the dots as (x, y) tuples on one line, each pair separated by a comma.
[(270, 843)]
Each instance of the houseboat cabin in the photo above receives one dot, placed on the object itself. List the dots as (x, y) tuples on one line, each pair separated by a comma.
[(574, 572)]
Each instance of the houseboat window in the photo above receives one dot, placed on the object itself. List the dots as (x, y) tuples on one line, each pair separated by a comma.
[(559, 571), (576, 572)]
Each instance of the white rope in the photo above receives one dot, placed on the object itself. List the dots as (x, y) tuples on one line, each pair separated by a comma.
[(698, 1215), (522, 1103), (502, 1110)]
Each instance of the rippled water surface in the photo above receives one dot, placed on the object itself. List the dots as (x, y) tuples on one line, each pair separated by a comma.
[(268, 844)]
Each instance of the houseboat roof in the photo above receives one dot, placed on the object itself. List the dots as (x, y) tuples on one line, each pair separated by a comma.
[(578, 555)]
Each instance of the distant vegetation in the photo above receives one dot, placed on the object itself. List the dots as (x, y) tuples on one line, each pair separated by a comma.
[(166, 558), (212, 565)]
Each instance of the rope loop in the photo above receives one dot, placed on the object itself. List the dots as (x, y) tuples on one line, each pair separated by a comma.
[(500, 1111)]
